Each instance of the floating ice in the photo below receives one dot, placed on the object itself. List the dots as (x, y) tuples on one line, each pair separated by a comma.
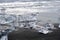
[(5, 19), (26, 21)]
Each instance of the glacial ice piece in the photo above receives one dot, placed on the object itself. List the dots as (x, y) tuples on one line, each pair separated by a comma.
[(4, 37), (5, 19), (26, 21), (59, 26), (45, 29)]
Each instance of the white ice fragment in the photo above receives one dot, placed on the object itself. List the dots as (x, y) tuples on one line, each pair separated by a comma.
[(59, 26)]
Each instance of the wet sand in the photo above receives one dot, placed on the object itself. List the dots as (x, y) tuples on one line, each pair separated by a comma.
[(27, 34)]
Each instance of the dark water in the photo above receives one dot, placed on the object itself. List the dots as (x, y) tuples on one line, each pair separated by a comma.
[(27, 34)]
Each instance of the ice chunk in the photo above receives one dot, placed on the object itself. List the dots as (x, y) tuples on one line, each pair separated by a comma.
[(6, 19)]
